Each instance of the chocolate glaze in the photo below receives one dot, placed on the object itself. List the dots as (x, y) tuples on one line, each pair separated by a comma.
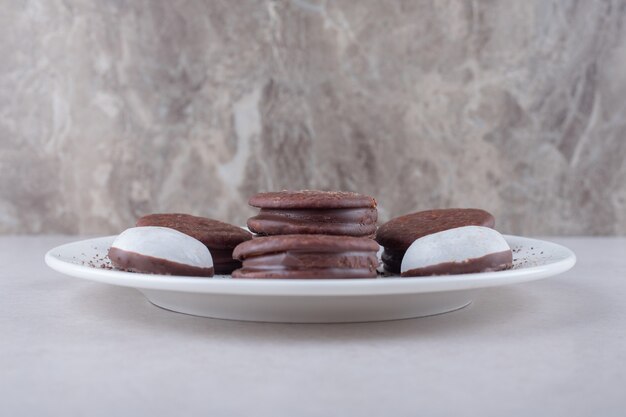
[(311, 199), (294, 264), (320, 273), (492, 262), (311, 260), (136, 262), (341, 221), (307, 256), (303, 243)]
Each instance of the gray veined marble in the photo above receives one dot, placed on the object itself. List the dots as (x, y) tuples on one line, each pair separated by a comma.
[(112, 109)]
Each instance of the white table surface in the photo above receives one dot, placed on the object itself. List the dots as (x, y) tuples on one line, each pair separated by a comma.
[(552, 347)]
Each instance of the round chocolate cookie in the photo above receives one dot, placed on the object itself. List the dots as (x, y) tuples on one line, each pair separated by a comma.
[(219, 237), (307, 257), (314, 212), (399, 233)]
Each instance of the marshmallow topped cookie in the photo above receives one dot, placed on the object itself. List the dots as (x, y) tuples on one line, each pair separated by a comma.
[(160, 250), (220, 238), (462, 250), (399, 233)]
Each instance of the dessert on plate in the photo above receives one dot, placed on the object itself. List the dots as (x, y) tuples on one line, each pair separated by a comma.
[(219, 237), (308, 234), (160, 250), (314, 212), (399, 233), (307, 256)]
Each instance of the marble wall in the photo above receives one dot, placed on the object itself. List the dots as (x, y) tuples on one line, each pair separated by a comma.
[(111, 109)]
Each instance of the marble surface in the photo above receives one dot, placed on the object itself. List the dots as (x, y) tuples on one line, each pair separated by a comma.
[(113, 109), (551, 347)]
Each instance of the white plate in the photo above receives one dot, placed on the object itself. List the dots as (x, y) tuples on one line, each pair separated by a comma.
[(312, 301)]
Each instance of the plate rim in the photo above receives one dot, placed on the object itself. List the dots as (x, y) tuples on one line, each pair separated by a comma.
[(311, 287)]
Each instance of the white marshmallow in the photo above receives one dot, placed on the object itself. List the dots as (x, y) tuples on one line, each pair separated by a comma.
[(453, 245), (164, 243)]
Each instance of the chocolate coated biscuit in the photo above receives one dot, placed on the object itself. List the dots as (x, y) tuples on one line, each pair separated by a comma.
[(307, 256), (136, 262), (314, 212), (219, 237), (160, 250), (399, 233), (303, 199)]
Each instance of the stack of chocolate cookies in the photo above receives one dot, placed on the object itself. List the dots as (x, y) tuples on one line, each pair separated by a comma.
[(310, 234)]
